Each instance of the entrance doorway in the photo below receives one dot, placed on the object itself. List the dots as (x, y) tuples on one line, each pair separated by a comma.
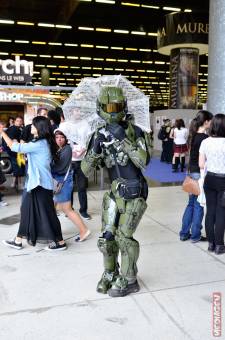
[(11, 110)]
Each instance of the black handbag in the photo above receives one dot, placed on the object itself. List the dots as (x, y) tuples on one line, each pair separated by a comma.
[(127, 188)]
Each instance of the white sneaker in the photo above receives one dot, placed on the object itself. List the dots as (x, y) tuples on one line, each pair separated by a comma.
[(3, 204)]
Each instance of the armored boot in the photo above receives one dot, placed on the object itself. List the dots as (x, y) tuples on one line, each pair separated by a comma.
[(121, 287), (126, 283), (110, 255)]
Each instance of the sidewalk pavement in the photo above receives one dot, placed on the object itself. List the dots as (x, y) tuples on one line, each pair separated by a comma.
[(45, 296)]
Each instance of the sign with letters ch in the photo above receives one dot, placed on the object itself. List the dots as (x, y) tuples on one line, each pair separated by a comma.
[(16, 71)]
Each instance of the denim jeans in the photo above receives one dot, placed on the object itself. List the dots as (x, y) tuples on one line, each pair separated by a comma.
[(193, 215)]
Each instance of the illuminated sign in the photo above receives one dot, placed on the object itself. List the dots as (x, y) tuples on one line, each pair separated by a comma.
[(16, 71), (10, 96)]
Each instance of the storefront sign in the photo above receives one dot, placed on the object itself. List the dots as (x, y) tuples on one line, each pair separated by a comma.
[(183, 30), (10, 96), (16, 71)]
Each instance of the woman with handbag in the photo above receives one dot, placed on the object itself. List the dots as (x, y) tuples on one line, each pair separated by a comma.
[(63, 175), (39, 222), (193, 214), (212, 151)]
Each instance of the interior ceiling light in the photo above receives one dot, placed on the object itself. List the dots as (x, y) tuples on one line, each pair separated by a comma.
[(86, 45), (104, 47), (5, 40), (10, 22), (135, 61), (59, 56), (130, 49), (110, 59), (116, 48), (63, 66), (30, 55), (55, 43), (129, 70), (122, 60), (68, 27), (22, 41), (138, 32), (119, 69), (144, 50), (51, 66), (147, 62), (17, 54), (111, 2), (85, 58), (152, 34), (108, 69), (98, 29), (42, 24), (70, 44), (45, 55), (38, 65), (98, 59), (71, 57), (25, 23), (172, 9), (188, 10), (204, 65), (121, 31), (149, 6), (39, 42), (160, 62), (130, 4), (140, 70), (86, 28)]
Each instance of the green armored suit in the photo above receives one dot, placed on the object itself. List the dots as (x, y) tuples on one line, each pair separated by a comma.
[(122, 148)]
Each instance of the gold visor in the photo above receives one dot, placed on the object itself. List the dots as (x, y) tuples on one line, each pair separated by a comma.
[(113, 107)]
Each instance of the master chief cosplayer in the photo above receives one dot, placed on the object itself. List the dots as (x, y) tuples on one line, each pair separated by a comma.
[(122, 148)]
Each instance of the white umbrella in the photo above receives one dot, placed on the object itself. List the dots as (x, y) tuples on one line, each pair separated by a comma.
[(80, 108)]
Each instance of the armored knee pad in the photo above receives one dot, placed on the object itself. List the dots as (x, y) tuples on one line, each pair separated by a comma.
[(110, 250)]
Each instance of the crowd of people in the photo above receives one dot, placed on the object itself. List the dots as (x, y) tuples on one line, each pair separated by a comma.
[(204, 143), (52, 164), (48, 159)]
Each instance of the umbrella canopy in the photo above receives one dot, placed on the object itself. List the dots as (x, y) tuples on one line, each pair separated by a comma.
[(80, 108)]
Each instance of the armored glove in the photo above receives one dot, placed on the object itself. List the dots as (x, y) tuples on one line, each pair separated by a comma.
[(117, 131), (98, 143)]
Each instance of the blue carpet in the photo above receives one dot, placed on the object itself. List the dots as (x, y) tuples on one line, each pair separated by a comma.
[(162, 172)]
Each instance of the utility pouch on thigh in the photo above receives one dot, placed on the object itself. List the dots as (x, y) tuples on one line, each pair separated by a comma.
[(129, 188), (222, 199)]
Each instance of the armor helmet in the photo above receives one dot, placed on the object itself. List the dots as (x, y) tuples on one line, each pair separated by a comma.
[(111, 104)]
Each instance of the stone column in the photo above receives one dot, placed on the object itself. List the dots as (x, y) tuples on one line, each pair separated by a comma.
[(216, 59)]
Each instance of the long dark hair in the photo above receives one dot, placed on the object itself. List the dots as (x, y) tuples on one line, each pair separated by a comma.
[(217, 127), (43, 126), (179, 123), (197, 122)]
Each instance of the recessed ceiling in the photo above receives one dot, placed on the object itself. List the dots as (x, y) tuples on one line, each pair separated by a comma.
[(75, 39)]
